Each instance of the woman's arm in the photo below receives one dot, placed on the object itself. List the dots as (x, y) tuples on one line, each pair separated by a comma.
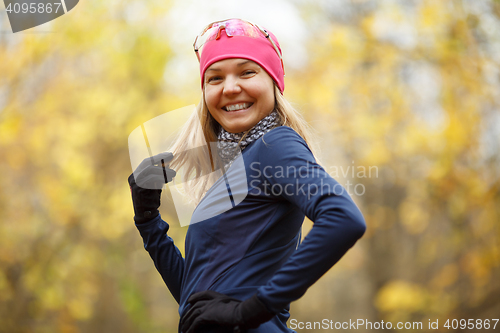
[(166, 256), (151, 175), (338, 223)]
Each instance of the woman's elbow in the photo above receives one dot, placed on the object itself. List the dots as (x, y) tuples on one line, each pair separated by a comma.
[(357, 226)]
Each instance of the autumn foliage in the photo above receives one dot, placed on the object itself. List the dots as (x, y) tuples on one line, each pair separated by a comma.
[(409, 88)]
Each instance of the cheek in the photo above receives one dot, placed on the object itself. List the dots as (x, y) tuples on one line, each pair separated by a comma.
[(267, 97), (210, 98), (265, 91), (211, 101)]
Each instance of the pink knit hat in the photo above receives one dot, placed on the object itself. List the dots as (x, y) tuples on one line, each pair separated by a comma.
[(257, 49)]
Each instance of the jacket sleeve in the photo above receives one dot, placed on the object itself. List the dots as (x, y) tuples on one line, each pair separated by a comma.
[(166, 256), (338, 223)]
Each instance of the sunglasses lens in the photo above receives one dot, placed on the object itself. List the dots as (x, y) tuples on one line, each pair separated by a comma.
[(239, 28), (231, 27)]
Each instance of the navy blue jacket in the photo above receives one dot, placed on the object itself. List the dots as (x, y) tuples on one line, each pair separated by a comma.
[(254, 247)]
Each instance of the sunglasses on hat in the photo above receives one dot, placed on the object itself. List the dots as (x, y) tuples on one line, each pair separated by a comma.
[(232, 27)]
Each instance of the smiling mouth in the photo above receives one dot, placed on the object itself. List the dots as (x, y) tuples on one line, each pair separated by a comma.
[(237, 107)]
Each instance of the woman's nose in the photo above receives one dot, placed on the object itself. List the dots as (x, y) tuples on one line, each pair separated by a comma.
[(231, 86)]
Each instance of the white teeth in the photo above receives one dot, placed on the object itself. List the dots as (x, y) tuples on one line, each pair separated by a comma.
[(236, 107)]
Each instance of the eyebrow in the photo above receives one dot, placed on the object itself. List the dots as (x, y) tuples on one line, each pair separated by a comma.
[(238, 65)]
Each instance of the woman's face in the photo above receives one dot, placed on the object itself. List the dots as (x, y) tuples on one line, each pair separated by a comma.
[(238, 93)]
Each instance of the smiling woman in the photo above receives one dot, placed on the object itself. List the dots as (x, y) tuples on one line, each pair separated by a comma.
[(243, 266), (238, 93)]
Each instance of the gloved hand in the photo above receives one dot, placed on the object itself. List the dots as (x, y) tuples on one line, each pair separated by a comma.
[(146, 183), (226, 314)]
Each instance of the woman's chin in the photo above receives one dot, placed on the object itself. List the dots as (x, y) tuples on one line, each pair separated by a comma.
[(237, 127)]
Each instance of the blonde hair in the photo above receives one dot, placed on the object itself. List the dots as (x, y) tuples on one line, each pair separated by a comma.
[(204, 162)]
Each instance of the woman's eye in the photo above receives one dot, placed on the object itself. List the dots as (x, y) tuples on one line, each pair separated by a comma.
[(214, 78), (248, 72)]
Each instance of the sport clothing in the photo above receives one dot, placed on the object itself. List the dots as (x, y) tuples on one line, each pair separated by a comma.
[(254, 248)]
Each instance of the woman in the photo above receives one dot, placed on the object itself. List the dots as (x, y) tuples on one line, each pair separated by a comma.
[(244, 265)]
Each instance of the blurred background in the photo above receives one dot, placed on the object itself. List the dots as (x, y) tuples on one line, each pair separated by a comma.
[(407, 91)]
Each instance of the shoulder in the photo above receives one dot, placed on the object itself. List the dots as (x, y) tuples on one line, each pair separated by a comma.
[(283, 142), (283, 136), (281, 131)]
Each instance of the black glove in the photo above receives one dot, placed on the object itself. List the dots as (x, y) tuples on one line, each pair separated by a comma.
[(226, 314), (146, 183)]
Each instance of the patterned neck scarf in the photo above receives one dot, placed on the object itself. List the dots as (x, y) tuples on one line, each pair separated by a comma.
[(227, 143)]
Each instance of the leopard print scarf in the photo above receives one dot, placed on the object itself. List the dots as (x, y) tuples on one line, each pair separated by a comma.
[(227, 143)]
